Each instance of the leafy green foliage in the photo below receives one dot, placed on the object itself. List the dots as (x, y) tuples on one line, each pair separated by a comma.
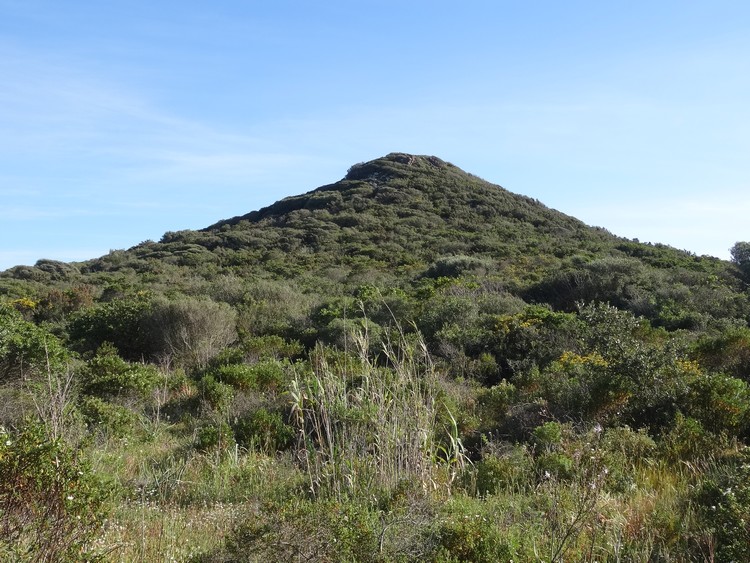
[(113, 419), (728, 352), (108, 376), (741, 257), (724, 499), (507, 470), (468, 536), (214, 437), (264, 430), (120, 322), (59, 304), (264, 376), (216, 396), (50, 503), (25, 348)]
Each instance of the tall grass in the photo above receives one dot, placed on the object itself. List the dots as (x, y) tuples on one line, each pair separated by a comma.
[(366, 424)]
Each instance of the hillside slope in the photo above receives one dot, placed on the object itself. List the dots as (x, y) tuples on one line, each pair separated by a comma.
[(401, 218), (409, 364)]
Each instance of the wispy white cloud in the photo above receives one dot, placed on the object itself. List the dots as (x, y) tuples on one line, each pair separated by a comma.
[(52, 111)]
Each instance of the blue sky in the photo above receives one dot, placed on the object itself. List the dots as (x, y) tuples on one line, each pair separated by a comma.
[(122, 120)]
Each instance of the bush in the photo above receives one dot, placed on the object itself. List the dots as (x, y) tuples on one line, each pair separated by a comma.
[(26, 349), (109, 376), (264, 430), (265, 376), (50, 503), (121, 322), (215, 395), (633, 446), (729, 352), (271, 346), (469, 535), (238, 376), (497, 472), (554, 464), (493, 403), (456, 266), (721, 403), (192, 331), (115, 419), (214, 437), (689, 441), (724, 505), (548, 436)]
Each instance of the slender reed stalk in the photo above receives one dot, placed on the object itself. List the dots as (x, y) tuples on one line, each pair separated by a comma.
[(362, 425)]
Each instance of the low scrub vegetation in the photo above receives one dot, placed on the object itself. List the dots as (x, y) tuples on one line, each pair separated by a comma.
[(408, 365)]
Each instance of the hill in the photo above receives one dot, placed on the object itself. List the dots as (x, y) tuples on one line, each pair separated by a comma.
[(401, 217), (408, 364)]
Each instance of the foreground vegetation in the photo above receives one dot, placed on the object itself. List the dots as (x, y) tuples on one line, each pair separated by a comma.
[(410, 364)]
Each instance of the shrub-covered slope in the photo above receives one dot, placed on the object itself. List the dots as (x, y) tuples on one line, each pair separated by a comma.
[(409, 364), (400, 218)]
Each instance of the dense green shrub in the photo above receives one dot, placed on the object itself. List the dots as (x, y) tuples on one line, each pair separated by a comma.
[(121, 322), (740, 252), (107, 375), (216, 396), (465, 533), (548, 436), (533, 338), (59, 304), (115, 420), (456, 266), (271, 346), (51, 505), (720, 403), (689, 441), (727, 352), (265, 376), (264, 430), (552, 460), (214, 437), (27, 350), (508, 469), (554, 464), (493, 403)]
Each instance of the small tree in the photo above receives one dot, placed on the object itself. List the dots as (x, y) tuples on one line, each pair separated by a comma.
[(741, 257)]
